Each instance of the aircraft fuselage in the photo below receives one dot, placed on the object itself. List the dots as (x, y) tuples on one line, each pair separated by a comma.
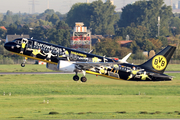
[(50, 53)]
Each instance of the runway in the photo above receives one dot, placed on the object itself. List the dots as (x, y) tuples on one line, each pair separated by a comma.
[(171, 71), (16, 73)]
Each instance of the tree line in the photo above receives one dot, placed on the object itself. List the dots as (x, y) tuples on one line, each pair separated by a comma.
[(137, 20)]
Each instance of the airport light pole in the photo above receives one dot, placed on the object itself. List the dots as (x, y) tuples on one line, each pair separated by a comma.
[(158, 25)]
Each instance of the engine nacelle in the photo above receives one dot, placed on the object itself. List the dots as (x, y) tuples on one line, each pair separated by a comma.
[(52, 66), (65, 66)]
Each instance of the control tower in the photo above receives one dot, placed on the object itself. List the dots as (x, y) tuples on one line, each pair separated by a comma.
[(80, 38)]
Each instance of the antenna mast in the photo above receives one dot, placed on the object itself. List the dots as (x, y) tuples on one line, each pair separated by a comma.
[(33, 6), (32, 2), (158, 25), (48, 5), (123, 3)]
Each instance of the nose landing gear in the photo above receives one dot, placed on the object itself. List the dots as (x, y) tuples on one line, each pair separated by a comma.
[(23, 64)]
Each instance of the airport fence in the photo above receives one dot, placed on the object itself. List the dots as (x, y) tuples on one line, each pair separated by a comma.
[(31, 61), (137, 62), (16, 61)]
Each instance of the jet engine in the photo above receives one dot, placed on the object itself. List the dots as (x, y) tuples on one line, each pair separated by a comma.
[(51, 66), (65, 66)]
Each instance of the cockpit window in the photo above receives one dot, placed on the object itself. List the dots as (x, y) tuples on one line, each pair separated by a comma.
[(24, 40), (17, 41), (20, 41)]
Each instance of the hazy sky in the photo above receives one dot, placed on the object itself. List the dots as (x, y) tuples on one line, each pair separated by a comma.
[(63, 6)]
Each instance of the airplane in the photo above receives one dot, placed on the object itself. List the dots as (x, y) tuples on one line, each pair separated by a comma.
[(70, 60), (57, 57)]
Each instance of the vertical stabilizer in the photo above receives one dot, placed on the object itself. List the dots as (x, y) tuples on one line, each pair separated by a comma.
[(159, 62)]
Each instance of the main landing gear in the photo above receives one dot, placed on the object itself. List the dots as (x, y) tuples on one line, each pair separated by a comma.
[(83, 79)]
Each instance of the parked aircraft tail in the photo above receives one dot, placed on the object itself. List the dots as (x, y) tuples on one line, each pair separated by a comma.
[(159, 62)]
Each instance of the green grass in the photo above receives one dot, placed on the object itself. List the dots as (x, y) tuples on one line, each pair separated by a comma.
[(98, 98), (89, 107), (27, 68), (173, 67)]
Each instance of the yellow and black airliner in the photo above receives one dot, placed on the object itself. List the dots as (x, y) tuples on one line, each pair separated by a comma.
[(61, 58)]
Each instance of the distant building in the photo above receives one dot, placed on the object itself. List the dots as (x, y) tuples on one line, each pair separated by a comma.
[(151, 53), (176, 11), (46, 27), (2, 27), (175, 6), (20, 26), (12, 37), (124, 43), (96, 38), (145, 53), (2, 40)]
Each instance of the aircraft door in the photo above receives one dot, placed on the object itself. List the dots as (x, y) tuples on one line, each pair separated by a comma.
[(30, 44)]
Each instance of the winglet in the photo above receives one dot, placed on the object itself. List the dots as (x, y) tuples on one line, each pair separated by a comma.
[(124, 59)]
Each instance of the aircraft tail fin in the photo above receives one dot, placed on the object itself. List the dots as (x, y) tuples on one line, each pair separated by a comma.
[(159, 62)]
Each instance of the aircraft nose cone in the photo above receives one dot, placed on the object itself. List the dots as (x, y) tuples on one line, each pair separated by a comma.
[(9, 46), (6, 46)]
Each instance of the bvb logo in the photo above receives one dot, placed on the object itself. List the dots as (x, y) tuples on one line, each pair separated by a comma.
[(159, 62)]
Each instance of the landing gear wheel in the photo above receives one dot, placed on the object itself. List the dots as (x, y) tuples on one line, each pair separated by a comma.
[(22, 64), (76, 78), (83, 79)]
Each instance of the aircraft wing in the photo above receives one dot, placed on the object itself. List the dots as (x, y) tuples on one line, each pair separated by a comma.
[(89, 65)]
